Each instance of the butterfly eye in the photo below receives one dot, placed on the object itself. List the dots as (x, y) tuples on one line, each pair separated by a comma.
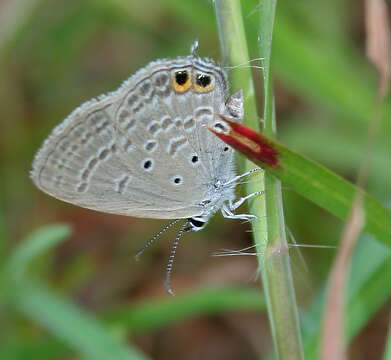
[(181, 81), (203, 82)]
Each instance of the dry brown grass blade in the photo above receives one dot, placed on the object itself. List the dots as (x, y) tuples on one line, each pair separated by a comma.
[(333, 327), (378, 40), (378, 51)]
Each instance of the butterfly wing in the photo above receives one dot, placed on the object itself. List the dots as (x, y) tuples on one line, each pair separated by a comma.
[(140, 151)]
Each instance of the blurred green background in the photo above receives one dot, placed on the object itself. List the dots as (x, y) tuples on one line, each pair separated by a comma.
[(82, 295)]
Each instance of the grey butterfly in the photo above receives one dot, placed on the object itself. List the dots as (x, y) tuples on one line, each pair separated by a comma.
[(144, 150)]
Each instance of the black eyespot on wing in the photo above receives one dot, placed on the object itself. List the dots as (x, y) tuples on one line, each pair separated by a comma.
[(181, 77), (203, 80), (177, 180), (226, 148), (147, 164), (194, 159)]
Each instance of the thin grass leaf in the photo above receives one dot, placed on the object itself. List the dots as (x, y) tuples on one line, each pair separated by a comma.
[(267, 12), (151, 316), (296, 137), (368, 291), (275, 264), (333, 344), (81, 331), (34, 245), (154, 315), (378, 41), (309, 179), (235, 52), (333, 334), (276, 271)]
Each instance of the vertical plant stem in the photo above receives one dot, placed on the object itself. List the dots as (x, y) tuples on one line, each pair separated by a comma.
[(235, 52), (269, 231), (276, 274)]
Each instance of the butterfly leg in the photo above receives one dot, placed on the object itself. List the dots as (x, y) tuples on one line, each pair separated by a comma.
[(227, 213), (233, 205), (247, 173), (228, 208)]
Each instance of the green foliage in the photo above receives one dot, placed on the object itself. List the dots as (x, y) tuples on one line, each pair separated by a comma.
[(156, 314), (34, 245), (66, 321), (53, 56)]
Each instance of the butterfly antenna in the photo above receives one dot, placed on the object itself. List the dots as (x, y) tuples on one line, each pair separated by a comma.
[(194, 48), (151, 241), (167, 282)]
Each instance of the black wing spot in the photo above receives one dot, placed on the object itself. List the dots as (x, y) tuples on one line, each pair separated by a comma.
[(203, 80), (181, 77)]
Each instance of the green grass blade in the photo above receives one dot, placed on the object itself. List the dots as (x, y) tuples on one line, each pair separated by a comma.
[(267, 11), (313, 181), (368, 291), (81, 331), (154, 315), (65, 320), (34, 245), (234, 52), (331, 191), (296, 137), (276, 269)]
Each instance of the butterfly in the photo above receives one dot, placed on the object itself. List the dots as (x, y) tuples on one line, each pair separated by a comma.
[(144, 150)]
